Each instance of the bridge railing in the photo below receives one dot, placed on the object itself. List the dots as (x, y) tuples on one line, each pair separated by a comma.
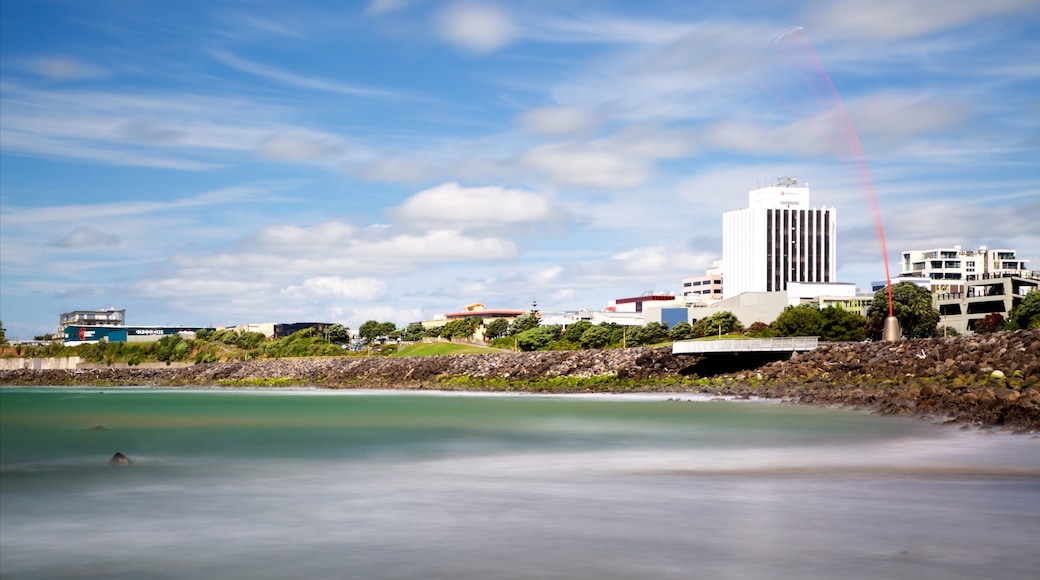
[(788, 344)]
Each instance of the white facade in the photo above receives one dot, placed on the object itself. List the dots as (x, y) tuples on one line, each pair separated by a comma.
[(779, 238), (950, 269)]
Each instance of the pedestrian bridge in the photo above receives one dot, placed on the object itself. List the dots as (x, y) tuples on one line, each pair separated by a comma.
[(788, 344)]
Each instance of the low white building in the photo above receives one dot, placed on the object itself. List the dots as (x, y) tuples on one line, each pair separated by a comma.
[(752, 307)]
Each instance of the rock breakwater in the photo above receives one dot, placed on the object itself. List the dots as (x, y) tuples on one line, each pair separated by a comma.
[(947, 378)]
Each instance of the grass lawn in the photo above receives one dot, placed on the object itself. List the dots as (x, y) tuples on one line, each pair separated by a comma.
[(442, 348)]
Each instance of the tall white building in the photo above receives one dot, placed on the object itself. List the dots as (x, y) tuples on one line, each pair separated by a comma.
[(779, 238)]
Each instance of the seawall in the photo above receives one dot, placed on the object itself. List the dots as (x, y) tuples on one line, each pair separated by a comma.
[(947, 378)]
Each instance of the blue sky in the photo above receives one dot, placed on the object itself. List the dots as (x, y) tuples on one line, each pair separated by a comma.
[(224, 162)]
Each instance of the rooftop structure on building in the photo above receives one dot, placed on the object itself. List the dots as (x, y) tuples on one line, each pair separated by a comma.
[(778, 239), (477, 310), (102, 317), (636, 303)]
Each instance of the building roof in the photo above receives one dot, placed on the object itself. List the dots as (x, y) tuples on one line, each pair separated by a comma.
[(645, 298), (485, 313)]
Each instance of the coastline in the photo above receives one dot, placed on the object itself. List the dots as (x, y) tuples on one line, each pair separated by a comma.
[(943, 379)]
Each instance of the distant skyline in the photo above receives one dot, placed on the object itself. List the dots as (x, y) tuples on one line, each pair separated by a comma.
[(224, 162)]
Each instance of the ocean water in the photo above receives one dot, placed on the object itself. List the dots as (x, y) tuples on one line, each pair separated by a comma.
[(368, 484)]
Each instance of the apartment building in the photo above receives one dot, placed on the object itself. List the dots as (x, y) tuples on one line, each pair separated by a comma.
[(950, 269)]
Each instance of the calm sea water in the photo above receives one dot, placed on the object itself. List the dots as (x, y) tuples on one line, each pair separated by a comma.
[(293, 484)]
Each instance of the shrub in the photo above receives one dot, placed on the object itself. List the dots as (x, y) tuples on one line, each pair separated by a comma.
[(538, 338)]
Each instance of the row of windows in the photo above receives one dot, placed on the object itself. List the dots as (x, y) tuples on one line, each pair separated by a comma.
[(798, 247)]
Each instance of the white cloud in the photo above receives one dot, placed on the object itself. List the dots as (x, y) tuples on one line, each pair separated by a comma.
[(397, 169), (298, 146), (597, 28), (897, 115), (334, 287), (86, 238), (622, 161), (488, 206), (559, 120), (328, 233), (580, 165), (476, 27), (79, 213), (898, 19), (293, 79), (64, 68), (286, 254), (379, 7)]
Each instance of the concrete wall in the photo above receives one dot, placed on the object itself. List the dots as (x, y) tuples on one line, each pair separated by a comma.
[(75, 362), (46, 364), (749, 307)]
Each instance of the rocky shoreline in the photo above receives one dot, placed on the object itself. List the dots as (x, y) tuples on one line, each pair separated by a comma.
[(988, 380)]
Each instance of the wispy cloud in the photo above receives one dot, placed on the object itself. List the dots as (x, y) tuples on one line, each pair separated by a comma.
[(86, 238), (296, 80), (100, 212), (894, 19), (62, 68)]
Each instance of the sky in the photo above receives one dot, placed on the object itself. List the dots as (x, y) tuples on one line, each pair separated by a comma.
[(226, 162)]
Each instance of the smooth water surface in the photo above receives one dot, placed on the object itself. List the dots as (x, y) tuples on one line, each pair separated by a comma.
[(322, 484)]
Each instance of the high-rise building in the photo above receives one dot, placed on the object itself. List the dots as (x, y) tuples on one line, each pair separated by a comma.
[(779, 238)]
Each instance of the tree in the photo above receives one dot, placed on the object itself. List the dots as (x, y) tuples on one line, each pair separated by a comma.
[(650, 333), (912, 307), (841, 324), (414, 332), (170, 348), (538, 338), (801, 320), (370, 330), (496, 328), (616, 332), (946, 331), (524, 323), (3, 334), (1027, 313), (339, 334), (681, 331), (992, 322), (574, 331), (461, 327), (723, 322), (597, 336), (759, 329), (249, 340)]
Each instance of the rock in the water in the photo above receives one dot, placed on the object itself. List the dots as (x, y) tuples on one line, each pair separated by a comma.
[(119, 459)]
